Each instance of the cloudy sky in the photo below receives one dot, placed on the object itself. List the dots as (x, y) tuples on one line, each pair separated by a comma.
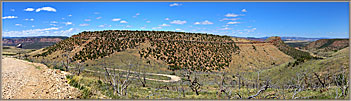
[(323, 19)]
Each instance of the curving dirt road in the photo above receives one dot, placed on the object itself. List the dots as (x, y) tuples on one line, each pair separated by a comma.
[(173, 77), (26, 80)]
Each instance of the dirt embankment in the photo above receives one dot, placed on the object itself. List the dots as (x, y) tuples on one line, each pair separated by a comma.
[(26, 80)]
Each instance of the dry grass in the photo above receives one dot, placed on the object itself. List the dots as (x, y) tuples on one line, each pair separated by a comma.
[(264, 56)]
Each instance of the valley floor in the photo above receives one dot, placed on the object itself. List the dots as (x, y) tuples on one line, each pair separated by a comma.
[(26, 80)]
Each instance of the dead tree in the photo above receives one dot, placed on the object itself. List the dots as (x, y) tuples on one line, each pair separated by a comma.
[(336, 83), (319, 79), (258, 79), (119, 85), (344, 82), (194, 83), (299, 87), (264, 88), (223, 87), (66, 61), (182, 88), (115, 81), (341, 83), (142, 76), (79, 67)]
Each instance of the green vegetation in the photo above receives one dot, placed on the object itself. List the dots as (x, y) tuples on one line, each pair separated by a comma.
[(325, 68), (296, 54), (110, 65), (13, 51), (326, 47), (297, 43), (178, 49), (330, 42)]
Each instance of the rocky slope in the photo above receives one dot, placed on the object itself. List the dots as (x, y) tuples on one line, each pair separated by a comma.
[(328, 45), (296, 54), (177, 49)]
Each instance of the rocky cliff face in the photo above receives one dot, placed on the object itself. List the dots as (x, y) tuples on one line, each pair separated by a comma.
[(32, 42), (296, 54)]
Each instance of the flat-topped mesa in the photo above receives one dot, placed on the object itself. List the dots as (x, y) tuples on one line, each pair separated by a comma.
[(296, 54), (179, 49), (155, 35), (274, 39)]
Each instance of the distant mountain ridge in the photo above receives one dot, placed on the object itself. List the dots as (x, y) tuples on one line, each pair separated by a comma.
[(328, 44), (284, 38), (35, 37), (32, 42)]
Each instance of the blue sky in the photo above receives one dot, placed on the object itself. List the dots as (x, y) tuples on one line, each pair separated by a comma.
[(243, 19)]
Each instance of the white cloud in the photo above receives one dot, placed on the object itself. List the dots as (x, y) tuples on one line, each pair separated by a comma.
[(178, 29), (244, 10), (46, 29), (53, 22), (12, 10), (18, 24), (49, 9), (250, 30), (233, 19), (9, 17), (137, 14), (123, 21), (164, 25), (156, 27), (65, 32), (70, 15), (68, 23), (233, 22), (166, 18), (148, 21), (101, 26), (29, 9), (206, 22), (31, 32), (175, 4), (104, 25), (128, 26), (178, 22), (116, 19), (98, 17), (29, 19), (87, 19), (225, 28), (142, 27), (84, 24), (33, 26), (231, 15)]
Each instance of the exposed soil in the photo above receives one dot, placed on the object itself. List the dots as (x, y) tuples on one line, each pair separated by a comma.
[(173, 78), (26, 80)]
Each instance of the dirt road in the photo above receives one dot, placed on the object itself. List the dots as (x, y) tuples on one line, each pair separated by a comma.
[(26, 80), (174, 78)]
